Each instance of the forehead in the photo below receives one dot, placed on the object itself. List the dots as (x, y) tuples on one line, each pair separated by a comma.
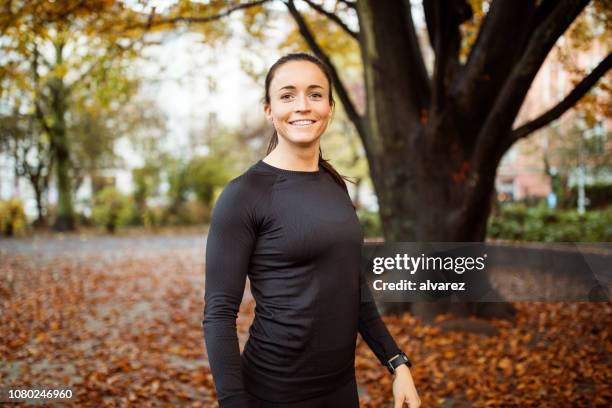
[(300, 74)]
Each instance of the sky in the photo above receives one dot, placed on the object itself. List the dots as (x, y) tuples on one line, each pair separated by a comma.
[(183, 92)]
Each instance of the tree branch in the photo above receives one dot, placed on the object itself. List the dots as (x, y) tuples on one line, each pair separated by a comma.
[(500, 42), (349, 4), (493, 137), (350, 109), (443, 21), (498, 125), (334, 18), (114, 46), (570, 100), (203, 19), (416, 57), (40, 116)]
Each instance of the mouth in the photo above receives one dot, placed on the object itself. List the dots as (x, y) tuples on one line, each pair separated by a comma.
[(302, 122)]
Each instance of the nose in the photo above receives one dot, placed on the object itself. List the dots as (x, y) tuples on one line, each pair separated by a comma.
[(301, 103)]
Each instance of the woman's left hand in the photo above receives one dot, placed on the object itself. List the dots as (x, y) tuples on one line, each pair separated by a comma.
[(404, 389)]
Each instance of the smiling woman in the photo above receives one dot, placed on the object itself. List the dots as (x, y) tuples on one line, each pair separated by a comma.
[(300, 111), (288, 223), (299, 97)]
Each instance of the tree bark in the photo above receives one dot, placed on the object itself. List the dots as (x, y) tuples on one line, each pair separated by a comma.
[(41, 220), (65, 213), (434, 148), (61, 151)]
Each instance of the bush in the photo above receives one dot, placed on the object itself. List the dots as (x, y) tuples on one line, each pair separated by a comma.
[(191, 212), (112, 209), (13, 220), (599, 196), (370, 223), (153, 217), (518, 222), (204, 175)]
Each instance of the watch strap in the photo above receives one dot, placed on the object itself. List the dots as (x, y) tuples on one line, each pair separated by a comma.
[(397, 361)]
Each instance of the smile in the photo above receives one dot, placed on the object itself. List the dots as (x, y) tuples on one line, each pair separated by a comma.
[(302, 122)]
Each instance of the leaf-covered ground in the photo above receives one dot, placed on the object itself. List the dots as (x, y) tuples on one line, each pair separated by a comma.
[(118, 320)]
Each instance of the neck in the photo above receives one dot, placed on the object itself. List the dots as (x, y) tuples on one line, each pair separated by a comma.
[(294, 157)]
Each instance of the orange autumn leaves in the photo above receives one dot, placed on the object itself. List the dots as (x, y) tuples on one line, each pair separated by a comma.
[(125, 331)]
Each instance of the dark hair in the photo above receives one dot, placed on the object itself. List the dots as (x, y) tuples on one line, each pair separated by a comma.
[(302, 56)]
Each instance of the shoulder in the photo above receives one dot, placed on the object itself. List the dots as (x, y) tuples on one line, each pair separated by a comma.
[(249, 187), (244, 195)]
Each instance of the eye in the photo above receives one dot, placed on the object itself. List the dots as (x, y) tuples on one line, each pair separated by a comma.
[(286, 97), (316, 95)]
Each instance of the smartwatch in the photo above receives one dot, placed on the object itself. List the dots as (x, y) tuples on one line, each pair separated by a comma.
[(397, 361)]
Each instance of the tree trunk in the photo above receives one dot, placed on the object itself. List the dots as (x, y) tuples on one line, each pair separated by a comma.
[(418, 158), (65, 213), (41, 220), (433, 145), (60, 149)]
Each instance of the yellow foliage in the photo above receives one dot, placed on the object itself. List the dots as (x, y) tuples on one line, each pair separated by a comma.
[(13, 220), (592, 27), (469, 29)]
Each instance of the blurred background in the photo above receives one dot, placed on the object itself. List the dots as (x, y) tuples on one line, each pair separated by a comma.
[(118, 115), (122, 121)]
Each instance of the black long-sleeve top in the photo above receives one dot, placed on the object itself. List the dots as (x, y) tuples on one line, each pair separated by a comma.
[(296, 236)]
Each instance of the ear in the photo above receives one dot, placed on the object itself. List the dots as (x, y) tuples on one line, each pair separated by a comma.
[(268, 111)]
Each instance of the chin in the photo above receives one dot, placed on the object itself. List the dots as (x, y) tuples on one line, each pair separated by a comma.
[(304, 139)]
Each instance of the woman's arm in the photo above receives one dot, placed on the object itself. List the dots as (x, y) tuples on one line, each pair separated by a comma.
[(375, 333), (229, 245), (372, 328)]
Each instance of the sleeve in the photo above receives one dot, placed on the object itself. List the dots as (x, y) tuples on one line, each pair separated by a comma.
[(230, 241), (371, 326)]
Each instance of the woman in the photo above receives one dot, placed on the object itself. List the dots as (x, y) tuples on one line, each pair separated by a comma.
[(289, 224)]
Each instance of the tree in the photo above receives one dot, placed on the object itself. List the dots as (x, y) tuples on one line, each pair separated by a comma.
[(21, 139), (205, 177), (59, 57), (146, 181), (562, 156), (439, 138), (433, 142)]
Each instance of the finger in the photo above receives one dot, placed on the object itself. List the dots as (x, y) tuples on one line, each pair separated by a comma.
[(398, 402), (414, 403)]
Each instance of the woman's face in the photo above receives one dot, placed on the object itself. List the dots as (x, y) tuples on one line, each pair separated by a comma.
[(299, 102)]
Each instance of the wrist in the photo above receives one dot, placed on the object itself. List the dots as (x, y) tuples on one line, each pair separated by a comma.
[(397, 361), (401, 371)]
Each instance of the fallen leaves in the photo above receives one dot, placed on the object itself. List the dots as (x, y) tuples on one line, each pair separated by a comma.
[(126, 331), (555, 354)]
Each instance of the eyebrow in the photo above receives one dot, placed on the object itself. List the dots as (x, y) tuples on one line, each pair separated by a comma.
[(293, 87)]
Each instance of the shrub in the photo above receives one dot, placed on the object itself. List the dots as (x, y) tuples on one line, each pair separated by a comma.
[(517, 222), (191, 212), (13, 220), (370, 223), (112, 209), (204, 175), (153, 217)]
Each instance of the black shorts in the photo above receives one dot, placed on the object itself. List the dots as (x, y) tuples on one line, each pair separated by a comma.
[(344, 397)]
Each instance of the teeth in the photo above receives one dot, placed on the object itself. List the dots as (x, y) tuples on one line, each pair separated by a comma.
[(302, 122)]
